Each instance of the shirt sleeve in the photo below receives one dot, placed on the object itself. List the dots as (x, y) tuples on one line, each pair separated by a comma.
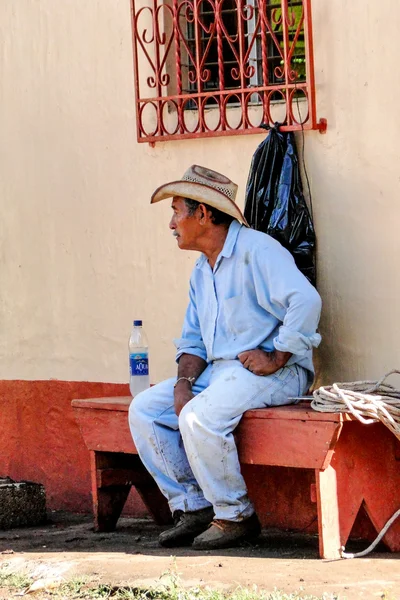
[(191, 341), (288, 295)]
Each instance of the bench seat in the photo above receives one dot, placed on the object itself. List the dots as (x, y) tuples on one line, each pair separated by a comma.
[(352, 464)]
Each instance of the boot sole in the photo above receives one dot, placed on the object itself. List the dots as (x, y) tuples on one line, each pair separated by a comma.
[(219, 544), (186, 540), (182, 539)]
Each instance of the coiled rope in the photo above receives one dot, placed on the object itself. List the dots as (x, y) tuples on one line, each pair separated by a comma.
[(369, 402)]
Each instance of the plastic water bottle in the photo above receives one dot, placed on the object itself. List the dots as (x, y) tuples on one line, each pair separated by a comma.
[(138, 360)]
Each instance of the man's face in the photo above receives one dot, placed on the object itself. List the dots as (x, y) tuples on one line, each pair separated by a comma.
[(185, 227)]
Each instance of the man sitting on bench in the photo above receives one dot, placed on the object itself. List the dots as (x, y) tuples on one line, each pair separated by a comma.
[(247, 342)]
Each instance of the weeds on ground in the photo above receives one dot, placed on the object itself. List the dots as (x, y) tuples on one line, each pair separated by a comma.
[(169, 588), (16, 581)]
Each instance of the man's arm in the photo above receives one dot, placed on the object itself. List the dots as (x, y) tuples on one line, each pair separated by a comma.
[(189, 366), (191, 354), (284, 292)]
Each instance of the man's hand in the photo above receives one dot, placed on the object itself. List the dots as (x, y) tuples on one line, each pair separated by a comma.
[(192, 366), (264, 363), (182, 395)]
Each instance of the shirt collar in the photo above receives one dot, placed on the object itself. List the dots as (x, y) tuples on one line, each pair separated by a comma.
[(228, 246), (231, 238)]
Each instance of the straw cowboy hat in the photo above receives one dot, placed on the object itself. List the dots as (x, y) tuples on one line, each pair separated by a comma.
[(205, 186)]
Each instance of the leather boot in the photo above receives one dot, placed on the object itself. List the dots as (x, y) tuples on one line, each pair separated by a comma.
[(224, 534), (186, 526)]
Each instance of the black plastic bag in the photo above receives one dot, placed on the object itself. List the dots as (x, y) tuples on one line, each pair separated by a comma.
[(275, 202)]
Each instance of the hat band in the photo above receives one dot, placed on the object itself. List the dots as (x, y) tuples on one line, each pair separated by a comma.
[(223, 189)]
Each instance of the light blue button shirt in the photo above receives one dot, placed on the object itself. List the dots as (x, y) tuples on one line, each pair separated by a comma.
[(254, 298)]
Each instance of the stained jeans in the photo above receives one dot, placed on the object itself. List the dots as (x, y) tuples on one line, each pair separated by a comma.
[(194, 459)]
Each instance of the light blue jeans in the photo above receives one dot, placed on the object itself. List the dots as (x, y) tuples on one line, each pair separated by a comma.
[(194, 459)]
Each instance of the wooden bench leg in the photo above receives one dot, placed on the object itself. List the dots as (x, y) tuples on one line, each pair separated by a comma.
[(108, 501), (367, 465), (155, 502), (113, 475), (328, 513)]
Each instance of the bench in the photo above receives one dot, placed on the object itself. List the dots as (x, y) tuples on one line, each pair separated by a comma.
[(351, 465)]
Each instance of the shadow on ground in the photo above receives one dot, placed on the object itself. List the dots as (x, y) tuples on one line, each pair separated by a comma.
[(66, 532)]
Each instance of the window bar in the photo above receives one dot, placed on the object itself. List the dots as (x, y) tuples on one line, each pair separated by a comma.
[(220, 50), (300, 26), (252, 50), (241, 66), (178, 61), (310, 77), (135, 34), (262, 8), (156, 37), (220, 54), (293, 74), (286, 58), (157, 47), (252, 32), (198, 56)]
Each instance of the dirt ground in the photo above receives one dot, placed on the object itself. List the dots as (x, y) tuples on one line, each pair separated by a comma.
[(67, 546)]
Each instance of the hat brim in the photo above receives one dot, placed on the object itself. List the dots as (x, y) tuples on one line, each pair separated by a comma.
[(201, 193)]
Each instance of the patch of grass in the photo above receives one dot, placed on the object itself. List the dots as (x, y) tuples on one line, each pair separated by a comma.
[(169, 588), (102, 591), (16, 580)]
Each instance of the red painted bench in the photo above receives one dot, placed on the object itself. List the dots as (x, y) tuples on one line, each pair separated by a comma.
[(352, 465)]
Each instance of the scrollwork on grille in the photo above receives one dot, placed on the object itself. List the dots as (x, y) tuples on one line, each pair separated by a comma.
[(222, 67)]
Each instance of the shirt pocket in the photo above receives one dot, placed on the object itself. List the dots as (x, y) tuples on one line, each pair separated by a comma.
[(235, 314)]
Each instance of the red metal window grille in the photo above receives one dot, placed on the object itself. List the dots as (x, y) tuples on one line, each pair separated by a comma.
[(222, 67)]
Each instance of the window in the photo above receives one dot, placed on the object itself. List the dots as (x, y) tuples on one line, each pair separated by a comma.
[(222, 67)]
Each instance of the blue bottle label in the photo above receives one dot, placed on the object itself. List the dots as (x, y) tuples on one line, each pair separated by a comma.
[(139, 364)]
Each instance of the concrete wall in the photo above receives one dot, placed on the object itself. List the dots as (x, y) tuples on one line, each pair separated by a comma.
[(355, 182), (82, 252)]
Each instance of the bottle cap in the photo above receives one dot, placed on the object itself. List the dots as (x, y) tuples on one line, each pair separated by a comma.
[(137, 323)]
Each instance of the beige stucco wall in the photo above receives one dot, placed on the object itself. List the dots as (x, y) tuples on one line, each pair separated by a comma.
[(81, 251)]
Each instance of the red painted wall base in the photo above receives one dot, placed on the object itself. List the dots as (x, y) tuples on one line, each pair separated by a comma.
[(40, 440)]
